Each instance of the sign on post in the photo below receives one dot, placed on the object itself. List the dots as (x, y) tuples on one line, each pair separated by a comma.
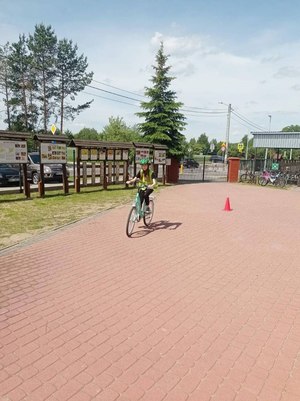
[(141, 153), (53, 153), (159, 156), (240, 147), (53, 129), (13, 152)]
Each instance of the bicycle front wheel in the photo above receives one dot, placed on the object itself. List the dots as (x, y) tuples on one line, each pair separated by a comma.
[(262, 181), (132, 218), (149, 215)]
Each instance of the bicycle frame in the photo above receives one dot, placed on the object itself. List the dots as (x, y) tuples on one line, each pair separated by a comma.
[(137, 212)]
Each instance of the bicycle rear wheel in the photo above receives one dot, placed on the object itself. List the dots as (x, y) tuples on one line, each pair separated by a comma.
[(149, 215), (132, 218), (281, 182), (244, 178)]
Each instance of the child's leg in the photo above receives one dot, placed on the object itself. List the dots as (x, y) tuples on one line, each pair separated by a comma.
[(147, 193), (142, 195)]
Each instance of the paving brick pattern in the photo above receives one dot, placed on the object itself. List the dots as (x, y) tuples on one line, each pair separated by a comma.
[(204, 306)]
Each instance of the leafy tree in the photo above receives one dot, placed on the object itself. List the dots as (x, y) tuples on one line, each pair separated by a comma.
[(43, 47), (87, 133), (72, 78), (291, 128), (118, 131), (69, 134), (163, 121), (203, 143)]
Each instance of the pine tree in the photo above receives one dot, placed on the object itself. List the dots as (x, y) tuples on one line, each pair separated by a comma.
[(72, 78), (163, 120), (22, 84), (43, 47), (4, 82)]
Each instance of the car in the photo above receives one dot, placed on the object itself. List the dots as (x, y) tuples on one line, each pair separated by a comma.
[(217, 159), (190, 163), (52, 172), (9, 174)]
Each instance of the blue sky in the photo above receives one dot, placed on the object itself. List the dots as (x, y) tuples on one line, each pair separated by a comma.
[(239, 52)]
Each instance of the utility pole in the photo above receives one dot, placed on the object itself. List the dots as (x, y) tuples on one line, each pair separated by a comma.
[(247, 148), (227, 131), (266, 153), (229, 110)]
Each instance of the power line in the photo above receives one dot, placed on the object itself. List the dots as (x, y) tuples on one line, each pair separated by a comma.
[(247, 121), (113, 93), (107, 98), (115, 87)]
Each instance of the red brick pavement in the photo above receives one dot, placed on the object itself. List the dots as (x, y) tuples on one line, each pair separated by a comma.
[(205, 306)]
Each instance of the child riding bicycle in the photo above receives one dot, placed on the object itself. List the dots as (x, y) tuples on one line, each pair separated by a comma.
[(146, 182)]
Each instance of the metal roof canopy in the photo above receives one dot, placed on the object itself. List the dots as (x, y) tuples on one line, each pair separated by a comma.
[(276, 139), (14, 135)]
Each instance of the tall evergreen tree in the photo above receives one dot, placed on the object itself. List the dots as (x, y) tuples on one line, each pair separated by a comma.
[(22, 84), (4, 82), (43, 47), (163, 120), (72, 78)]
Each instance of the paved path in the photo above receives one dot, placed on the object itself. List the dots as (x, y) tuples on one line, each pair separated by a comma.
[(205, 306)]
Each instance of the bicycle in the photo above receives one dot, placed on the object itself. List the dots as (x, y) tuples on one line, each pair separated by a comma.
[(138, 212), (276, 179), (248, 177)]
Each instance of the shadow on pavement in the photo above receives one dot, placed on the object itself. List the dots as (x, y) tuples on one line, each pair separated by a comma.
[(142, 231), (165, 225)]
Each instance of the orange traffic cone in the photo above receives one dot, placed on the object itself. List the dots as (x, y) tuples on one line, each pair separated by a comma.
[(227, 207)]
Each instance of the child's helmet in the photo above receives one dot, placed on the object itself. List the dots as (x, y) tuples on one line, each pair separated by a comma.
[(144, 161)]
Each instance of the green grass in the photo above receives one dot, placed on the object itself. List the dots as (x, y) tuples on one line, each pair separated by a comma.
[(21, 219)]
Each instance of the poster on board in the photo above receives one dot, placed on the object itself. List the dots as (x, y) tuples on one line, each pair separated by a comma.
[(125, 154), (94, 154), (102, 154), (159, 157), (141, 153), (13, 152), (118, 154), (53, 153), (110, 154), (84, 154)]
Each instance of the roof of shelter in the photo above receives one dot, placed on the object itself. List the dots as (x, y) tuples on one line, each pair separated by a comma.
[(150, 145), (14, 135), (276, 139), (51, 138), (84, 143)]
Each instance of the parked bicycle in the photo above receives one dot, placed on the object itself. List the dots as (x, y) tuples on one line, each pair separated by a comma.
[(277, 179), (138, 212), (248, 177)]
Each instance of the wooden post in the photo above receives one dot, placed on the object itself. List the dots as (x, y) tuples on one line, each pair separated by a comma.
[(104, 176), (77, 180), (65, 180), (41, 185), (26, 183), (93, 173)]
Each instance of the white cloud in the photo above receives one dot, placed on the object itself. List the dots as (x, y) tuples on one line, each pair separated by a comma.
[(183, 46), (287, 72)]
